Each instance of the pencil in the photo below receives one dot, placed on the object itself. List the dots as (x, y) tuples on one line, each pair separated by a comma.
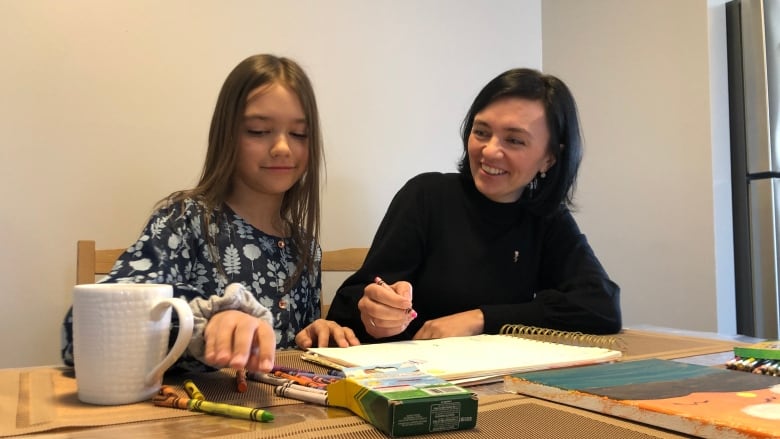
[(378, 280), (241, 384)]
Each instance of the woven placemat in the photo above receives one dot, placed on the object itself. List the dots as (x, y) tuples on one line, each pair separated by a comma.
[(500, 416), (45, 398), (649, 344)]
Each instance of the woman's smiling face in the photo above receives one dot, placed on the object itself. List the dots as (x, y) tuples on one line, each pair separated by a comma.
[(507, 147)]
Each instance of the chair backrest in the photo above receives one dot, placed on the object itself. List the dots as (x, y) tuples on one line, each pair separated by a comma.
[(91, 262), (346, 259)]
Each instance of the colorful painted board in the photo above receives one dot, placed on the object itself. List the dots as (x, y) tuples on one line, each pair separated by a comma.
[(692, 399)]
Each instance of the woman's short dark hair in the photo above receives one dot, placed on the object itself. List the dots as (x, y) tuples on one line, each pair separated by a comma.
[(556, 190)]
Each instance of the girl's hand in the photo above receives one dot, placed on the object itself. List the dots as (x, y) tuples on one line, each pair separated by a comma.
[(238, 340)]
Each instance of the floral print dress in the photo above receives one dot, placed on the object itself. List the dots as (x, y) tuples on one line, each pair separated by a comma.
[(172, 250)]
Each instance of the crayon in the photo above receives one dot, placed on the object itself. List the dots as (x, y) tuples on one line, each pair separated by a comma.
[(760, 366), (337, 373), (241, 384), (378, 280), (290, 370), (214, 408), (323, 379), (305, 388), (172, 401), (167, 390), (267, 378), (316, 377), (760, 369), (304, 381), (192, 390), (232, 411), (315, 398), (749, 364)]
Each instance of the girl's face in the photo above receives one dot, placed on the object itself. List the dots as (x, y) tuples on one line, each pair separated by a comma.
[(273, 143), (507, 147)]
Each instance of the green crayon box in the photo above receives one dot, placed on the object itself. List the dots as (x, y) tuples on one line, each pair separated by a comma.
[(401, 401)]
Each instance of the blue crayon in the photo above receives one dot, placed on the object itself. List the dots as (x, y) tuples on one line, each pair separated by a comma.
[(336, 372), (290, 370)]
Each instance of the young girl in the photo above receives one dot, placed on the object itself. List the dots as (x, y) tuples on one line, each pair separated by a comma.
[(242, 246)]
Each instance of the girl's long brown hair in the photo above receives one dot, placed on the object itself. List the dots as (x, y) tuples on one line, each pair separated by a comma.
[(301, 203)]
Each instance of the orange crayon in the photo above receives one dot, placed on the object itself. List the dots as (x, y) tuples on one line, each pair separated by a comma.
[(172, 401), (167, 390), (302, 380), (241, 384)]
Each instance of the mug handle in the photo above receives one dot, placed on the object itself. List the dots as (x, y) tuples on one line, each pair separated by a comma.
[(182, 339)]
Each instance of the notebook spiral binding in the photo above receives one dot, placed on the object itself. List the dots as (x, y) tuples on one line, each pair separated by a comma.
[(574, 338)]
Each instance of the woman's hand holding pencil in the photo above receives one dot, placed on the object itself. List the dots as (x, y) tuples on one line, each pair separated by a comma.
[(385, 309)]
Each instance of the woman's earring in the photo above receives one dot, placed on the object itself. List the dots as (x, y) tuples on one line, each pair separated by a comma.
[(543, 174)]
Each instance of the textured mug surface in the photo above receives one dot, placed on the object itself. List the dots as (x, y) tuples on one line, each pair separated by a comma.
[(120, 340)]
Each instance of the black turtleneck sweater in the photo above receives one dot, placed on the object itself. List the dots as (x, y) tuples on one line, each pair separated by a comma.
[(462, 251)]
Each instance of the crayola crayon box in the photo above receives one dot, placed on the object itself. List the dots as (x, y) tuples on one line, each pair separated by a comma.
[(401, 401)]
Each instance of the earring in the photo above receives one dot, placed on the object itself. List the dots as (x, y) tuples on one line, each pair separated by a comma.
[(543, 174)]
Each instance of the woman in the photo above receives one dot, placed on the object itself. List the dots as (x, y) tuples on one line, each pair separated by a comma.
[(493, 244), (241, 247)]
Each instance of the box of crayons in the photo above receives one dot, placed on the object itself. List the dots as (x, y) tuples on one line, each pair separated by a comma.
[(400, 400), (760, 358)]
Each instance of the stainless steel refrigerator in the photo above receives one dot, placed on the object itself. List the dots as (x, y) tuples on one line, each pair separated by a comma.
[(753, 35)]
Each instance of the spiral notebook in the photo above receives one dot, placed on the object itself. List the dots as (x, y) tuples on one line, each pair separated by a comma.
[(466, 360)]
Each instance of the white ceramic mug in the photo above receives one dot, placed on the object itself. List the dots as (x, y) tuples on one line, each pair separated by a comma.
[(120, 340)]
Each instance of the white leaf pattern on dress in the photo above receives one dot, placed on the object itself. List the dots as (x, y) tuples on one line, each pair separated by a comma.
[(157, 226), (141, 264), (184, 260), (276, 274), (252, 252), (232, 260), (173, 241)]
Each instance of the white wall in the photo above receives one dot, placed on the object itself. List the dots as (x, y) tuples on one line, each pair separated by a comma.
[(105, 105), (104, 108), (655, 174)]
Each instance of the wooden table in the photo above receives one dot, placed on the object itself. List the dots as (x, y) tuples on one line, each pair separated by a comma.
[(291, 420)]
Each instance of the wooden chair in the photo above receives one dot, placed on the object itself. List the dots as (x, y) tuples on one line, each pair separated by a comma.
[(91, 262), (346, 259)]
